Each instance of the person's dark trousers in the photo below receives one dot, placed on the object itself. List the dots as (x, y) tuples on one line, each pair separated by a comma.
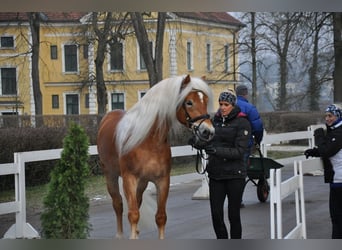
[(335, 207), (218, 191)]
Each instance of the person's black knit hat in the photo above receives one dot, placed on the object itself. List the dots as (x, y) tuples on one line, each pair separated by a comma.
[(228, 96), (335, 110)]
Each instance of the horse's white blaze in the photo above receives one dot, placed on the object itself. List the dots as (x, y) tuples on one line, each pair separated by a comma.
[(201, 96)]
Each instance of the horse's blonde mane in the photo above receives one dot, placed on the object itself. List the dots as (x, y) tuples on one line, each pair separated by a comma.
[(158, 104)]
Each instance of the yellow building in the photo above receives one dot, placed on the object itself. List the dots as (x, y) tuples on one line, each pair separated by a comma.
[(195, 43)]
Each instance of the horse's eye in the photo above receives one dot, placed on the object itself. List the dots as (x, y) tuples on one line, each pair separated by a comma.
[(188, 103)]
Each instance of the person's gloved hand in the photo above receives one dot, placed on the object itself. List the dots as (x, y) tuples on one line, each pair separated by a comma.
[(313, 152), (210, 149), (258, 135)]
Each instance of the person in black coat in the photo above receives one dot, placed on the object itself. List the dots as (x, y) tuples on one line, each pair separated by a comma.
[(226, 166), (329, 148)]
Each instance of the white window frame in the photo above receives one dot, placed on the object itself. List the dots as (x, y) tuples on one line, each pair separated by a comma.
[(139, 57), (16, 80), (208, 57), (6, 35), (140, 92), (109, 68), (65, 104), (111, 101), (78, 58), (226, 49), (189, 56)]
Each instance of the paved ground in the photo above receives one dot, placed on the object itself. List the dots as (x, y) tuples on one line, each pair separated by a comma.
[(190, 219)]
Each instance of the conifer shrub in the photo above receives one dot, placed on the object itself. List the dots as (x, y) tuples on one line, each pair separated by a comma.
[(66, 205)]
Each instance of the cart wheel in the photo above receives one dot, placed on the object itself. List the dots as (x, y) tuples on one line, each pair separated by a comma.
[(263, 190)]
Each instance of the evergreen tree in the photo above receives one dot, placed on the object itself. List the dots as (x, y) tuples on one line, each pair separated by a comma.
[(65, 214)]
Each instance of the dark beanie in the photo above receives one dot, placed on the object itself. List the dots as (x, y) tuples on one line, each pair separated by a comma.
[(228, 96), (241, 90), (335, 110)]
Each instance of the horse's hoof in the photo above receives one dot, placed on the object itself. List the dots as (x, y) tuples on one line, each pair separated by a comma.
[(119, 236)]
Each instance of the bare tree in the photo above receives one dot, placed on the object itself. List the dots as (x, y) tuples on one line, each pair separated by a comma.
[(279, 34), (34, 20), (318, 27), (154, 66), (106, 28), (337, 24)]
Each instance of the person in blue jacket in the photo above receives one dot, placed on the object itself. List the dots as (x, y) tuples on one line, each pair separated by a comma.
[(253, 117), (252, 114)]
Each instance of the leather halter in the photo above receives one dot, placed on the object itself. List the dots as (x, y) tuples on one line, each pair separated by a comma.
[(191, 121)]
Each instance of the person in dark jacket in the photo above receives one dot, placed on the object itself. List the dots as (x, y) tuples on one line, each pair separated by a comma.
[(226, 166), (329, 148)]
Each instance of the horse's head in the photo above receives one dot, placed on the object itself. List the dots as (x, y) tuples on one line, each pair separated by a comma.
[(193, 112)]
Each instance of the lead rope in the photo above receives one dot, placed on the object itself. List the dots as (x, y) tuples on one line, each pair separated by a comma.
[(198, 157)]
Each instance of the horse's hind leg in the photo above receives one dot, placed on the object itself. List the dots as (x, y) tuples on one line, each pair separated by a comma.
[(114, 191)]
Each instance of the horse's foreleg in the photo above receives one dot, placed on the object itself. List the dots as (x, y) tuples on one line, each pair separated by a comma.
[(162, 194), (130, 187), (114, 191)]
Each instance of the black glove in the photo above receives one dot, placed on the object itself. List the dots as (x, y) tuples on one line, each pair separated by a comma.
[(258, 135), (210, 149), (313, 152)]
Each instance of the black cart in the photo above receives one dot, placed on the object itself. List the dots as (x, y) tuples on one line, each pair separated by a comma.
[(258, 171)]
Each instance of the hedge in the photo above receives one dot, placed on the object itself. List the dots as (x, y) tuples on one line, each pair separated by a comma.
[(18, 135)]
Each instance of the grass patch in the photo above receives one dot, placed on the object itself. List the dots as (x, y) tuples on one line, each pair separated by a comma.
[(283, 154)]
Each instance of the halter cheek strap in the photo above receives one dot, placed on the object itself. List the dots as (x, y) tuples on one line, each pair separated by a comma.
[(191, 121)]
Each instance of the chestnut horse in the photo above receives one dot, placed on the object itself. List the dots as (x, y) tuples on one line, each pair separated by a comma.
[(134, 144)]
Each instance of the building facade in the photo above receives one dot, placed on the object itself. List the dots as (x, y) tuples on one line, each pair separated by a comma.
[(195, 43)]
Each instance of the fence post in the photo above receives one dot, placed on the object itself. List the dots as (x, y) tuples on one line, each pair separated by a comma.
[(263, 146), (21, 229)]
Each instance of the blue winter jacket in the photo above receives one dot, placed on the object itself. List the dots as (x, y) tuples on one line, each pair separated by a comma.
[(253, 117)]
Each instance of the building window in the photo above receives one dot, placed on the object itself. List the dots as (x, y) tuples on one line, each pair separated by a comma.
[(226, 58), (141, 58), (141, 94), (116, 56), (53, 52), (189, 56), (85, 51), (118, 101), (72, 104), (70, 58), (86, 101), (8, 81), (208, 56), (55, 101), (7, 42)]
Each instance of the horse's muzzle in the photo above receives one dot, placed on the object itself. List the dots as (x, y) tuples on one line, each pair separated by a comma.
[(203, 132)]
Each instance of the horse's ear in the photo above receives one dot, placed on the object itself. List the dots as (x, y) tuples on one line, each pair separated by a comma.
[(185, 82), (204, 78)]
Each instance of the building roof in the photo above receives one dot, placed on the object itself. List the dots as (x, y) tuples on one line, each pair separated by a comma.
[(48, 16), (217, 17)]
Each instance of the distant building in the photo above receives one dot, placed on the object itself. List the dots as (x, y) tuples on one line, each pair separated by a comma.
[(195, 43)]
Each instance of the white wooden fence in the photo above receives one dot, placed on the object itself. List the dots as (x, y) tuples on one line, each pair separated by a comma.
[(22, 229)]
